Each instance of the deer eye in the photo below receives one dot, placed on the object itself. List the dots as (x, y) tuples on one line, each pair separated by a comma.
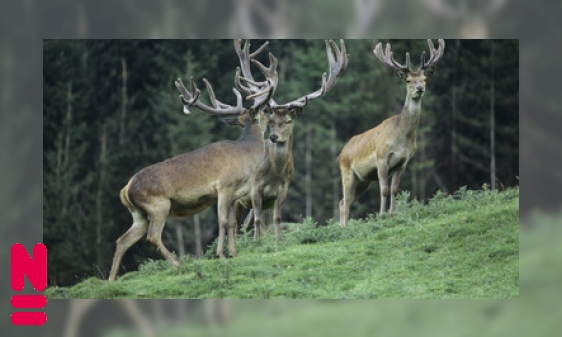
[(289, 121)]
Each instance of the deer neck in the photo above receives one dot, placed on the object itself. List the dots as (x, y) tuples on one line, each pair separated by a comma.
[(410, 116), (252, 132)]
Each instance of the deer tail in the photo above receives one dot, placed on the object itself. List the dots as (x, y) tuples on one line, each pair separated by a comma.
[(124, 195)]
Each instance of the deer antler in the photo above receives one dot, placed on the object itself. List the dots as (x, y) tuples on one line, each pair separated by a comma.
[(387, 58), (260, 92), (190, 99), (337, 63), (434, 55)]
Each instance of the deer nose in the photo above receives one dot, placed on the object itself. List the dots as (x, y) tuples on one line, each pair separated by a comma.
[(419, 88), (274, 138)]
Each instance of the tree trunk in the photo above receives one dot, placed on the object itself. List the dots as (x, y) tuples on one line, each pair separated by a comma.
[(335, 176), (414, 191), (492, 121), (63, 153), (179, 235), (65, 157), (423, 170), (454, 149), (454, 140), (99, 215), (68, 123), (124, 102), (308, 177)]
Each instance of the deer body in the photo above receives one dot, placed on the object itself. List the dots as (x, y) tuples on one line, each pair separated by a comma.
[(270, 184), (189, 183), (190, 196), (384, 151), (271, 181), (220, 173)]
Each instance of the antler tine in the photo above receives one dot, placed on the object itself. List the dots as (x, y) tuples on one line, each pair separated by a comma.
[(238, 83), (261, 92), (187, 98), (387, 58), (422, 58), (264, 96), (218, 107), (213, 98), (244, 56), (267, 71), (270, 72), (407, 65), (337, 64), (259, 50), (378, 52), (434, 55)]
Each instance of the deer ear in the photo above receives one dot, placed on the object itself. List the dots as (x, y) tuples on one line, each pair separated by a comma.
[(401, 74), (231, 120), (294, 112), (252, 113), (429, 71)]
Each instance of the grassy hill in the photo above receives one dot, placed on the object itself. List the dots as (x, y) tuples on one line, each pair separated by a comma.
[(460, 246)]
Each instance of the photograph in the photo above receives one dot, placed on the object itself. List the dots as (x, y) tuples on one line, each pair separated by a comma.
[(293, 169)]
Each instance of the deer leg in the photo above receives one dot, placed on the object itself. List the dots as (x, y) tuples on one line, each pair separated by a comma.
[(249, 221), (134, 234), (238, 216), (394, 187), (382, 171), (348, 181), (257, 202), (232, 224), (158, 216), (223, 208), (278, 207)]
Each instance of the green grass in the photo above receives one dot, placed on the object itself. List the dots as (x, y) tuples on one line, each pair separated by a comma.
[(460, 246)]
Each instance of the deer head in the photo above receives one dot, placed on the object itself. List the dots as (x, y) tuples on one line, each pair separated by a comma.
[(281, 124), (415, 80)]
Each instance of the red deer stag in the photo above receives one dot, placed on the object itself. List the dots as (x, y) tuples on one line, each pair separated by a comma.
[(187, 184), (270, 184), (385, 150)]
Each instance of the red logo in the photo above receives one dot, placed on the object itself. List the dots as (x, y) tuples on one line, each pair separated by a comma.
[(35, 268)]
